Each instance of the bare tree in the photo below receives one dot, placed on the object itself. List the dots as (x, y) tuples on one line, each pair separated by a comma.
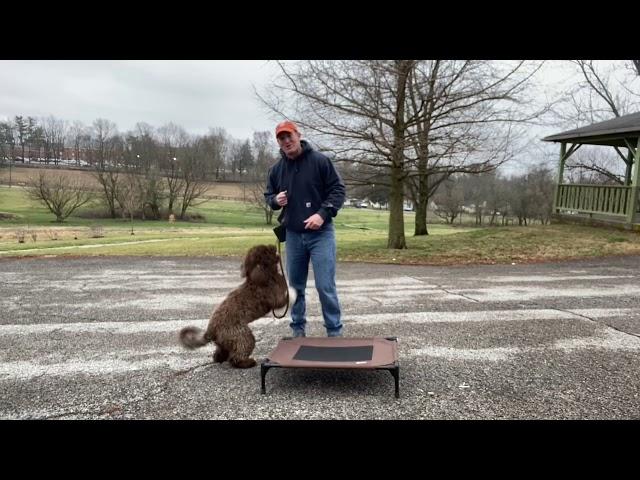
[(476, 189), (216, 144), (54, 135), (605, 90), (79, 137), (7, 141), (191, 166), (465, 112), (7, 146), (255, 196), (173, 140), (234, 156), (541, 187), (264, 147), (359, 110), (240, 157), (105, 143), (60, 193), (405, 121), (449, 199), (34, 139), (145, 157), (152, 186), (21, 133), (256, 179), (245, 158), (129, 196), (496, 195), (522, 203)]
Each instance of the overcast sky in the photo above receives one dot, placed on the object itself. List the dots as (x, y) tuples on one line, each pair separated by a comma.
[(194, 94)]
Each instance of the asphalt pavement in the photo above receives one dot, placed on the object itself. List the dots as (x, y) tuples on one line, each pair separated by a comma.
[(96, 338)]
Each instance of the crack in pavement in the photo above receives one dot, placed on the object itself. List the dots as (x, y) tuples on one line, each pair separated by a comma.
[(187, 370), (595, 321), (115, 407), (458, 294)]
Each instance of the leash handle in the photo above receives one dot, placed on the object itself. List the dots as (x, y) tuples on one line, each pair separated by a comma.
[(285, 281)]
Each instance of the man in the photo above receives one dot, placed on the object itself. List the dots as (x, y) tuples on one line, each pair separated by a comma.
[(306, 185)]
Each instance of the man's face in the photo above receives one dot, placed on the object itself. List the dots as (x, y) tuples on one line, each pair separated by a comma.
[(290, 143)]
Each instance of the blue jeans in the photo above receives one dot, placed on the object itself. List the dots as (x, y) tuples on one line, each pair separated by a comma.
[(319, 246)]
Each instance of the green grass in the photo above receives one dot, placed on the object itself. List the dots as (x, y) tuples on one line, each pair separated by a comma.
[(502, 245), (230, 228)]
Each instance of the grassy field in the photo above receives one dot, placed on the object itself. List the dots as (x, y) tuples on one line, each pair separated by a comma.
[(20, 176), (230, 228)]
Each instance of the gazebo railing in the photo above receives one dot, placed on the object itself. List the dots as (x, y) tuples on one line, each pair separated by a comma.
[(603, 199)]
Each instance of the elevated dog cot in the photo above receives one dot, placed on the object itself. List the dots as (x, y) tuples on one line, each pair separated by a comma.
[(375, 353)]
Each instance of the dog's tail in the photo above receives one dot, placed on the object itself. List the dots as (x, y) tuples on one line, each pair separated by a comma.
[(293, 295), (193, 337)]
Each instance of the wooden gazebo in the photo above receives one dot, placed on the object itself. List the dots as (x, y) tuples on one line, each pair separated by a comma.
[(615, 205)]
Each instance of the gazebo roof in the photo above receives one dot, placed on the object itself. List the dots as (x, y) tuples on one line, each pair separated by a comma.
[(610, 132)]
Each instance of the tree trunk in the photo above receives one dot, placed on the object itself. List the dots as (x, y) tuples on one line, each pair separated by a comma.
[(155, 210), (396, 218), (422, 196), (110, 201), (396, 196), (422, 200), (421, 218)]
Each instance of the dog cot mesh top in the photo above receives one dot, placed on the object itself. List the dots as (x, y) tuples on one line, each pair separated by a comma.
[(335, 352)]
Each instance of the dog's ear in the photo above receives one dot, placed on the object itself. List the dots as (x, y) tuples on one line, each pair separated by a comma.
[(249, 263), (258, 275)]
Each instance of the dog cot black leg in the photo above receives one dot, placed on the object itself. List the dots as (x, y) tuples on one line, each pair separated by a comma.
[(263, 373), (395, 371)]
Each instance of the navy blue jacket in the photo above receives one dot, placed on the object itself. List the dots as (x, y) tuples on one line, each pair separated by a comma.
[(313, 185)]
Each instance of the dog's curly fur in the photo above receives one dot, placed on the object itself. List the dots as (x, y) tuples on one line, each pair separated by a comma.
[(264, 289)]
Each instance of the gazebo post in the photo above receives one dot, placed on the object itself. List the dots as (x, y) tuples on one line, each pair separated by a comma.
[(627, 175), (633, 204), (563, 152)]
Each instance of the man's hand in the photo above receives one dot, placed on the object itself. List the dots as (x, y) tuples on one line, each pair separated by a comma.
[(314, 222), (281, 198)]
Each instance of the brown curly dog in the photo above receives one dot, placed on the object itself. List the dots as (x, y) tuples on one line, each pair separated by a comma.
[(264, 289)]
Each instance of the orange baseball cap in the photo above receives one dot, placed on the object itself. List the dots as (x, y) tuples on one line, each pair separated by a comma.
[(286, 126)]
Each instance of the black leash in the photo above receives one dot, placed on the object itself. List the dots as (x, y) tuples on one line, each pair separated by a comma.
[(285, 281)]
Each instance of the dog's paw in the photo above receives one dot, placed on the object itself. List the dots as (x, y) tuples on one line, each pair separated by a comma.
[(220, 356), (243, 363)]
